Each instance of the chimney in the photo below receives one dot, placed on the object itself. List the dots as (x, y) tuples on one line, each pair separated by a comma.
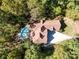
[(41, 21)]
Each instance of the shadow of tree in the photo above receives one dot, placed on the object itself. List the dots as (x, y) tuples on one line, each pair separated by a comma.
[(46, 51), (77, 38), (63, 25)]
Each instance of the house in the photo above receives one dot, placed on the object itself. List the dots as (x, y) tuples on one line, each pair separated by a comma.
[(43, 32), (39, 31)]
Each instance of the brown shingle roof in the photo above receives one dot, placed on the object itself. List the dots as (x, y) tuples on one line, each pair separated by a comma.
[(39, 37), (50, 24), (39, 33)]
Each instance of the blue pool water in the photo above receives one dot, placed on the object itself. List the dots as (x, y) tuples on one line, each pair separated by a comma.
[(24, 32)]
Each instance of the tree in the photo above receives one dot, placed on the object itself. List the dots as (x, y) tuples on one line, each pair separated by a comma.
[(40, 9), (34, 6), (72, 10), (15, 54), (32, 52), (3, 51), (72, 48), (15, 7)]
